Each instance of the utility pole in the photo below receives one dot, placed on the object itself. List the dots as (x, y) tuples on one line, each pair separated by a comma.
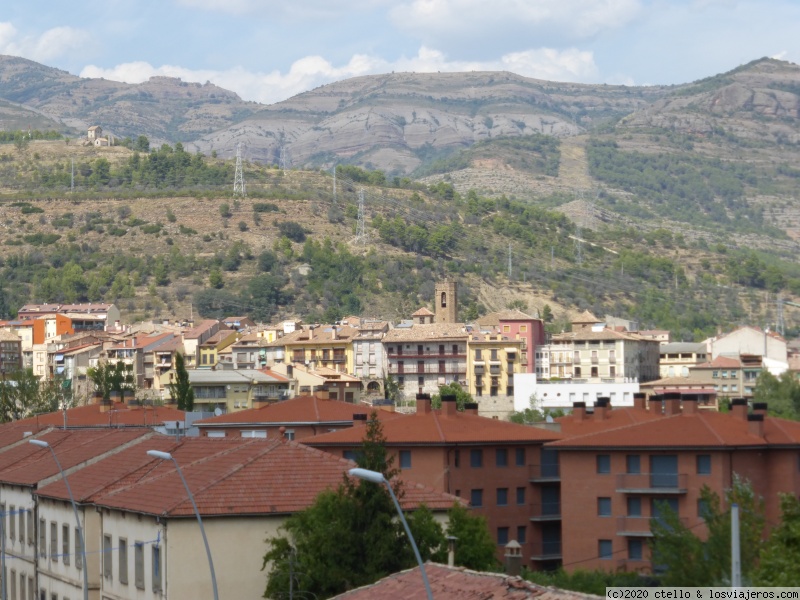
[(72, 177), (780, 325), (238, 179), (361, 228), (509, 261)]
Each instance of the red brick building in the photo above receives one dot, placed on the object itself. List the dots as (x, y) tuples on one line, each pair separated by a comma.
[(619, 465), (499, 467)]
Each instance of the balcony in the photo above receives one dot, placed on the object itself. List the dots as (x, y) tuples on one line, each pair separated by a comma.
[(652, 483), (546, 550), (544, 473), (546, 511), (448, 353), (427, 369), (639, 526)]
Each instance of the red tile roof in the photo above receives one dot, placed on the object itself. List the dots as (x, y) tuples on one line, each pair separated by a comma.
[(436, 428), (303, 409), (721, 362), (117, 415), (571, 426), (457, 583), (26, 464), (706, 429), (227, 477)]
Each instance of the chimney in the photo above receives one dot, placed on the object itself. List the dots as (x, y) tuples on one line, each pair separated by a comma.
[(513, 556), (471, 408), (690, 402), (657, 404), (601, 408), (311, 332), (105, 405), (333, 333), (359, 420), (672, 403), (760, 408), (129, 399), (114, 397), (449, 405), (423, 403), (755, 425), (579, 411), (640, 401), (451, 550), (739, 408), (322, 395)]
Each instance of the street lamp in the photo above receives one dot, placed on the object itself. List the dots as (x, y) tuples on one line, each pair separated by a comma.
[(375, 477), (43, 444), (168, 456)]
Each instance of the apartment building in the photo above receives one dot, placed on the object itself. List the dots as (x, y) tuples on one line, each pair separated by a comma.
[(516, 325), (677, 358), (196, 336), (328, 346), (618, 468), (137, 354), (142, 538), (369, 359), (209, 350), (95, 316), (231, 391), (493, 362), (499, 467), (423, 357), (10, 352)]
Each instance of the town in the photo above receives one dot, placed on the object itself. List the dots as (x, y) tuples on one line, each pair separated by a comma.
[(567, 444)]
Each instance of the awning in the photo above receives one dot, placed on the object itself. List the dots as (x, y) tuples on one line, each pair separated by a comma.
[(511, 349), (59, 370)]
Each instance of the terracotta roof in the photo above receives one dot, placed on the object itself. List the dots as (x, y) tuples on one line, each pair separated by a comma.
[(220, 336), (228, 477), (303, 409), (677, 382), (586, 317), (7, 336), (571, 426), (721, 362), (457, 583), (422, 312), (427, 332), (436, 428), (705, 429), (605, 334), (26, 464), (493, 319), (172, 345), (198, 330), (117, 415), (322, 334)]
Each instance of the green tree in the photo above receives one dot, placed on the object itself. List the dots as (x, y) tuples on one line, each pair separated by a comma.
[(181, 390), (688, 560), (780, 555), (112, 377), (781, 393), (22, 395), (475, 548), (451, 389), (349, 537)]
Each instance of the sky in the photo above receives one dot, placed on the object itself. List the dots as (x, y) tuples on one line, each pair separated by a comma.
[(267, 51)]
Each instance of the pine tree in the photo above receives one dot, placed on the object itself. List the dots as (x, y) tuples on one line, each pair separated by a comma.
[(181, 390)]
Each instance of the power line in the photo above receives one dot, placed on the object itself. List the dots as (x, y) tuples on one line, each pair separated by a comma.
[(238, 180)]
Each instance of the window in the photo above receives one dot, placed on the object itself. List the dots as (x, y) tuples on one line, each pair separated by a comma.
[(107, 556), (604, 507), (634, 506), (519, 457), (42, 538), (13, 581), (78, 550), (289, 434), (502, 496), (138, 565), (349, 454), (502, 536), (65, 549), (32, 592), (633, 464), (605, 549), (156, 569), (21, 586), (635, 549), (54, 541), (704, 464), (12, 531), (604, 463), (520, 496), (501, 457), (22, 512), (405, 459), (522, 534), (30, 527), (476, 498), (457, 458), (476, 458), (123, 560)]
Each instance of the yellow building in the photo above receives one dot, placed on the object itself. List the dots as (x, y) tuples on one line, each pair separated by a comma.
[(328, 346), (208, 351), (492, 361)]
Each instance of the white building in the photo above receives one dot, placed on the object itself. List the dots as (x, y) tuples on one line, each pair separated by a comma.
[(561, 394)]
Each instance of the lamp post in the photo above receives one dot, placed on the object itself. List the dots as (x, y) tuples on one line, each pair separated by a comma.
[(168, 456), (43, 444), (375, 477)]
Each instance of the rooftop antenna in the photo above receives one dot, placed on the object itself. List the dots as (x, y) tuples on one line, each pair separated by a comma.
[(238, 179)]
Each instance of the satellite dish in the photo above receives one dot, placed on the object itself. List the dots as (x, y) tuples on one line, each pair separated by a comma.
[(218, 411), (548, 419)]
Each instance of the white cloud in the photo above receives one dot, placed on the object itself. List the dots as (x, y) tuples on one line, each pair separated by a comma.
[(266, 8), (480, 21), (51, 44), (312, 71)]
